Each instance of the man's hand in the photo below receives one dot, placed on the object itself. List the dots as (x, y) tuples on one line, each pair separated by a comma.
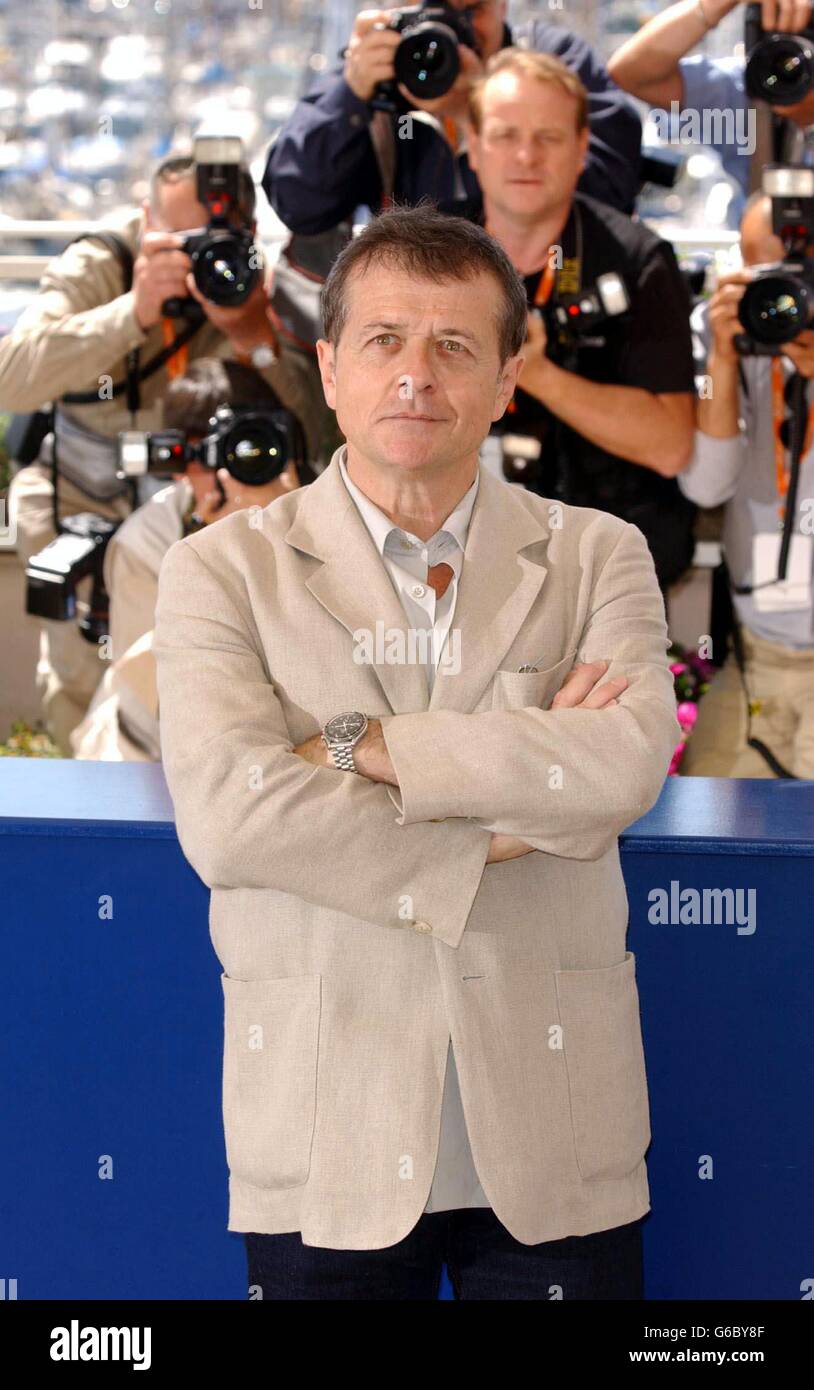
[(723, 314), (246, 326), (536, 367), (370, 754), (453, 103), (159, 272), (579, 690), (239, 497), (801, 352), (370, 53), (789, 16)]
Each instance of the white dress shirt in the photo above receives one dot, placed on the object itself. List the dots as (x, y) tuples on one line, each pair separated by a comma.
[(406, 558)]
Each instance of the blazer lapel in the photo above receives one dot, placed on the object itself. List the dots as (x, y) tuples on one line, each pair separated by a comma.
[(497, 588), (352, 583), (501, 577)]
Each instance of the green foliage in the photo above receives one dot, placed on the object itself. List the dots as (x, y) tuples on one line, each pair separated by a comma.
[(25, 742)]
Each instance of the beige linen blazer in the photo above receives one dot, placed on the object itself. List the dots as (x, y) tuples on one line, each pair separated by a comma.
[(358, 925)]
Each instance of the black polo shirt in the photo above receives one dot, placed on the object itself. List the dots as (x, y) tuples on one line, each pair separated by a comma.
[(650, 347)]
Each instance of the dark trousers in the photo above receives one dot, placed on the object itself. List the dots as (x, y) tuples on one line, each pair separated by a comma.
[(484, 1261)]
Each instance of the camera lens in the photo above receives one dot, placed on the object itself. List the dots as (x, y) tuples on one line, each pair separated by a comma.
[(254, 449), (222, 269), (775, 309), (427, 61), (781, 70)]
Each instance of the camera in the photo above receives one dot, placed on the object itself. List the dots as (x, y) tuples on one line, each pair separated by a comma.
[(254, 445), (226, 262), (575, 320), (54, 572), (779, 302), (779, 67), (427, 60)]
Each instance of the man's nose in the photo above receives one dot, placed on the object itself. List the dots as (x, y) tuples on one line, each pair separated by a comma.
[(418, 365), (526, 152)]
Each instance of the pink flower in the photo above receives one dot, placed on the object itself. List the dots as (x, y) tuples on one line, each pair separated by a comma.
[(687, 713), (678, 667)]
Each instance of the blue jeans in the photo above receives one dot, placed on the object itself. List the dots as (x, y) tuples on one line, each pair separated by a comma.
[(484, 1261)]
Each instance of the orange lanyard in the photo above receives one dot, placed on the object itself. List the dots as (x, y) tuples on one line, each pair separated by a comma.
[(542, 294), (177, 364), (781, 468)]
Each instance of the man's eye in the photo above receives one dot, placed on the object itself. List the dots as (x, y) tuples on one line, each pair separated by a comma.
[(380, 336), (454, 344)]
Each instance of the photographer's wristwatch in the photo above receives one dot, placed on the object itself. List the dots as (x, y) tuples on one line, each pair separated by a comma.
[(341, 734), (263, 355)]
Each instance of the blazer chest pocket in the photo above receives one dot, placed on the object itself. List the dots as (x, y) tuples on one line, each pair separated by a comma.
[(522, 689), (271, 1043), (604, 1059)]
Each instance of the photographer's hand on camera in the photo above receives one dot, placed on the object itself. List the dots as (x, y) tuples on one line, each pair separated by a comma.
[(248, 325), (455, 102), (718, 408), (369, 58), (239, 496), (800, 351), (160, 272)]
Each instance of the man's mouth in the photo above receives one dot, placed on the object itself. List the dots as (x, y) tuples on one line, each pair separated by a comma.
[(412, 415)]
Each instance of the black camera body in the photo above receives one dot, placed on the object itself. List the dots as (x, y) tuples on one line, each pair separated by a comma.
[(778, 303), (226, 262), (54, 572), (427, 60), (253, 445), (779, 66), (576, 320)]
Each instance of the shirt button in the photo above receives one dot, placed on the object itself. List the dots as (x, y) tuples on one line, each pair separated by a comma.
[(418, 591), (421, 926)]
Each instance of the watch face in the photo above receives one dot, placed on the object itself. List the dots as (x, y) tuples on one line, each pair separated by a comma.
[(345, 727)]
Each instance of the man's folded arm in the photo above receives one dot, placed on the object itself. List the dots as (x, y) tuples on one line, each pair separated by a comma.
[(251, 813), (567, 781)]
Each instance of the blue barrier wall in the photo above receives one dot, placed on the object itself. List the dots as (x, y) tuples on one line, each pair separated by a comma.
[(112, 1038)]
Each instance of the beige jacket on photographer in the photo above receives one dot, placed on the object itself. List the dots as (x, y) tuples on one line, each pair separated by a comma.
[(357, 923), (75, 335)]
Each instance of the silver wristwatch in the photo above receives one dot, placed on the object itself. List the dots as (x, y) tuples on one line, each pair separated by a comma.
[(341, 734)]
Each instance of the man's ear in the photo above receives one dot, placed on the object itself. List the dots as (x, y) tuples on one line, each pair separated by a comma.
[(327, 370), (507, 381)]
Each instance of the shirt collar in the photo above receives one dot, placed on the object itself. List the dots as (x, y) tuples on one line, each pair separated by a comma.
[(380, 526)]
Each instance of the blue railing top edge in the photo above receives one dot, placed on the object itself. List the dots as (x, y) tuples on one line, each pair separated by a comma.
[(712, 815)]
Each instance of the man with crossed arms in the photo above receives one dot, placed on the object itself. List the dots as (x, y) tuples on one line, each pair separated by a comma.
[(415, 859)]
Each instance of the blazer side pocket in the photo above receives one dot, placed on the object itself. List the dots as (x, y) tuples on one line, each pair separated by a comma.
[(522, 689), (604, 1058), (271, 1044)]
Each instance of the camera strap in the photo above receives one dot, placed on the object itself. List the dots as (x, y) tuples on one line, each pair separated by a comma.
[(801, 428), (562, 272), (782, 467), (753, 707)]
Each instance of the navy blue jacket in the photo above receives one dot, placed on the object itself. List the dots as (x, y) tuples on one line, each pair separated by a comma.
[(322, 164)]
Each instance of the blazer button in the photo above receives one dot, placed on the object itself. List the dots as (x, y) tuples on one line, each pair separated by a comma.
[(422, 926)]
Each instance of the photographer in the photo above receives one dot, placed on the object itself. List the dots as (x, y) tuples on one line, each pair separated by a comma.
[(653, 65), (79, 335), (336, 151), (121, 723), (603, 417), (739, 459)]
